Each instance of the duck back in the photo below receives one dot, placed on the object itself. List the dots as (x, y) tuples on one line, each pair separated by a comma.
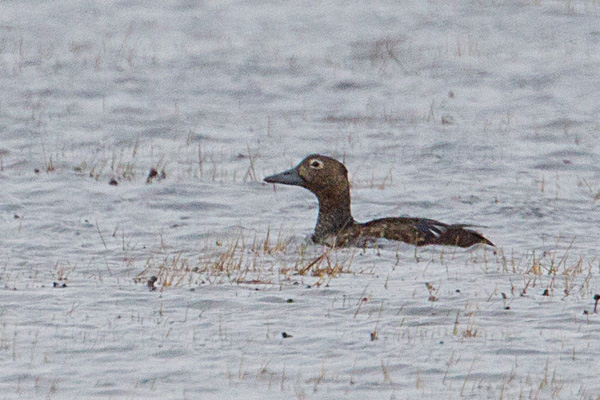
[(417, 231)]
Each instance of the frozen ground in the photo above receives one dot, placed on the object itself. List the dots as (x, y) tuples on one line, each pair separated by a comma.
[(482, 112)]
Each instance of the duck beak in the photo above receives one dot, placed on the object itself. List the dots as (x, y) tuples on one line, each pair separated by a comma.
[(289, 177)]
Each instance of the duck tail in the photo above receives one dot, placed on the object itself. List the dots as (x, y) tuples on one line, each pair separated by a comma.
[(458, 235)]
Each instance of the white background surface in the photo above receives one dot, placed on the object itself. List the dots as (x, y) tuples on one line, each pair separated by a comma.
[(480, 112)]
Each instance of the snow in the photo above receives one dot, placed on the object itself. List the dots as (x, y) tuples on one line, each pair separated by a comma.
[(477, 112)]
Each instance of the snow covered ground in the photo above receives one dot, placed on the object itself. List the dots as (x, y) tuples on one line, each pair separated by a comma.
[(477, 111)]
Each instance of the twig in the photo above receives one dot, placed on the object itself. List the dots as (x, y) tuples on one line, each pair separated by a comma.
[(105, 248)]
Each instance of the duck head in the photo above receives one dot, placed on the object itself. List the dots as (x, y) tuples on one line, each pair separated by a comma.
[(322, 175), (327, 178)]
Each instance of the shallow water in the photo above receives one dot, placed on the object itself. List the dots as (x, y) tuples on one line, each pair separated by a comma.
[(483, 113)]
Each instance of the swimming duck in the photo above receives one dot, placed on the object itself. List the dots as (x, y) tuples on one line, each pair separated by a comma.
[(327, 178)]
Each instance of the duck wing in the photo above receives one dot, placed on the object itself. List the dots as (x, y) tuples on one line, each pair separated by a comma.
[(422, 232)]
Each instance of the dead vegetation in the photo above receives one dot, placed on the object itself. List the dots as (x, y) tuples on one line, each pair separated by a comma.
[(551, 272), (129, 162), (262, 262)]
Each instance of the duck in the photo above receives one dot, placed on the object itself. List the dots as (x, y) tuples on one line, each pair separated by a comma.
[(327, 179)]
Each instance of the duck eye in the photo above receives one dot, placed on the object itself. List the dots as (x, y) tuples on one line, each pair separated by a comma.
[(316, 164)]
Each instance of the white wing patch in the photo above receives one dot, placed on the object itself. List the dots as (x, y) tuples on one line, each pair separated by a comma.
[(435, 229)]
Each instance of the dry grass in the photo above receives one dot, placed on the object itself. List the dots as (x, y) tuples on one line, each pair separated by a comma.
[(594, 192), (182, 158), (271, 260), (265, 261), (388, 50)]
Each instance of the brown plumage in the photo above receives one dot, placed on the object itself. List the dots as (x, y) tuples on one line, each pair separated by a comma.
[(327, 178)]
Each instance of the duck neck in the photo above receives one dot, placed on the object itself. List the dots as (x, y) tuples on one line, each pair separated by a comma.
[(334, 215)]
